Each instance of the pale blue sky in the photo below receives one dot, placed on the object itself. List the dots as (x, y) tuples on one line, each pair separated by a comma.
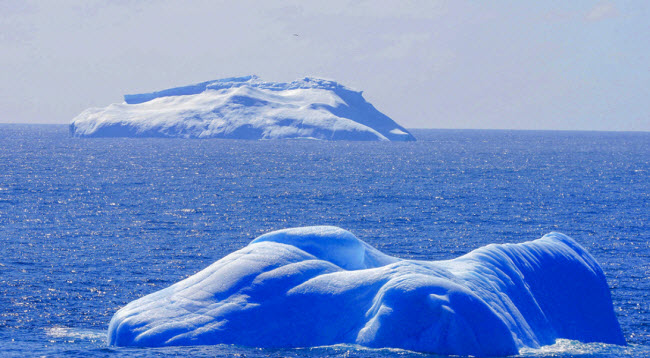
[(427, 64)]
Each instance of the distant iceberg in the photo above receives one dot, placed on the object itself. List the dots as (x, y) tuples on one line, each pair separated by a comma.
[(318, 286), (244, 108)]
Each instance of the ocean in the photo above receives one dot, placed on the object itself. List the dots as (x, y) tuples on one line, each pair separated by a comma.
[(88, 225)]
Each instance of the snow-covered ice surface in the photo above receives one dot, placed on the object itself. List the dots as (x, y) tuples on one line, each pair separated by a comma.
[(244, 108), (318, 286)]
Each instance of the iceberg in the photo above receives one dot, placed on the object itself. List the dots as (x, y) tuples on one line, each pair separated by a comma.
[(244, 108), (317, 286)]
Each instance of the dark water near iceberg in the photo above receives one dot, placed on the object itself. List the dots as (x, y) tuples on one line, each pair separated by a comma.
[(87, 225)]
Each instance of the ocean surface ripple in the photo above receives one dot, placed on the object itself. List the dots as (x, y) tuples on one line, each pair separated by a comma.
[(88, 225)]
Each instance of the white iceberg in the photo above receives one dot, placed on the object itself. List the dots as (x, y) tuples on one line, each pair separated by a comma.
[(244, 108), (318, 286)]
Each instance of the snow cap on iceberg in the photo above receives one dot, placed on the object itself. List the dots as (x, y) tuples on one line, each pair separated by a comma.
[(319, 286), (244, 108)]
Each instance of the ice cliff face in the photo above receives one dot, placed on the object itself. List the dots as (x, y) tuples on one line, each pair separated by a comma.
[(319, 286), (243, 108)]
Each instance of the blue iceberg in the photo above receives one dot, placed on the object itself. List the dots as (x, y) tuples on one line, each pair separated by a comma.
[(321, 285), (244, 108)]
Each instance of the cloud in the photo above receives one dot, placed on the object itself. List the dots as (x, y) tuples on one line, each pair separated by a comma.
[(379, 9), (602, 11)]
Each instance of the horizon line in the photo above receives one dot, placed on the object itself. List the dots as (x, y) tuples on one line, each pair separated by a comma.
[(422, 128)]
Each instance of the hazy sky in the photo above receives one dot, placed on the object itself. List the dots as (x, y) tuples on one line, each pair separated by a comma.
[(427, 64)]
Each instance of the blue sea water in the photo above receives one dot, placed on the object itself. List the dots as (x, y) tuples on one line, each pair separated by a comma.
[(88, 225)]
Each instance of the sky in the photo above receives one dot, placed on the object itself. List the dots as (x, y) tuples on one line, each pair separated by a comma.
[(547, 65)]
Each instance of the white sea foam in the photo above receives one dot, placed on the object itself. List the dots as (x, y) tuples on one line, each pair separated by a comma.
[(572, 348), (75, 333)]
